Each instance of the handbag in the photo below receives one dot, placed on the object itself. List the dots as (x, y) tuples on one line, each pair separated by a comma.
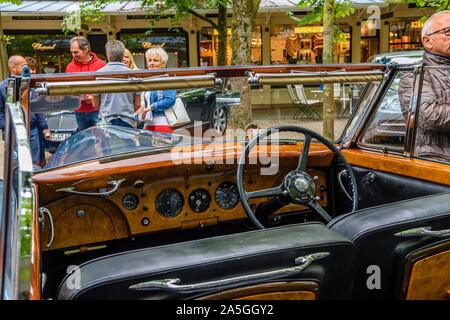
[(177, 114)]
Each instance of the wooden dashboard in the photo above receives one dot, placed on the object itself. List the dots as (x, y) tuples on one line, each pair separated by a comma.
[(194, 193)]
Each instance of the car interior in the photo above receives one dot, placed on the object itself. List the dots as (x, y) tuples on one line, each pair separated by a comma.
[(144, 226)]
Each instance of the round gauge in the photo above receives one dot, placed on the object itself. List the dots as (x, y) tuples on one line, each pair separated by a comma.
[(130, 201), (169, 203), (199, 200), (227, 195)]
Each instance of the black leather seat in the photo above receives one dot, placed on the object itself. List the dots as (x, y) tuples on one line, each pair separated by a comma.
[(216, 258), (373, 231)]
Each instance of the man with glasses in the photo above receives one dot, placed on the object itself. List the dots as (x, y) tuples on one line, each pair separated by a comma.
[(433, 132)]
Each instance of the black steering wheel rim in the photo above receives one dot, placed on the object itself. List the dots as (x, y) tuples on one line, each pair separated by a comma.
[(309, 135)]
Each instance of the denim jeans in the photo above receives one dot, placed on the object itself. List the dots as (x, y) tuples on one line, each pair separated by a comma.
[(120, 122), (86, 119), (35, 146)]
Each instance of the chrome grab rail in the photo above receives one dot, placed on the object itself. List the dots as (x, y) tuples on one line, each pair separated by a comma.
[(343, 173), (43, 211), (173, 284), (115, 183), (424, 232)]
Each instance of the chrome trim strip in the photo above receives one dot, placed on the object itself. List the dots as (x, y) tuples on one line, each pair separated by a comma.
[(172, 284), (15, 282), (424, 232)]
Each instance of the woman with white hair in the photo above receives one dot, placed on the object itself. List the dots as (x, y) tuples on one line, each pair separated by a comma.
[(157, 101)]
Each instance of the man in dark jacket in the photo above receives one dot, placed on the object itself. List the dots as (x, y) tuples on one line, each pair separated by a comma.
[(38, 126), (84, 61), (15, 65), (433, 132)]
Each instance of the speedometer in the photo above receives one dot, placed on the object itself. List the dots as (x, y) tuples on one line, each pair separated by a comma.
[(169, 203), (227, 195)]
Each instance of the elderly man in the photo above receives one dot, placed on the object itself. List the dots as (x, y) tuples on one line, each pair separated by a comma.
[(84, 61), (15, 64), (119, 108), (433, 132)]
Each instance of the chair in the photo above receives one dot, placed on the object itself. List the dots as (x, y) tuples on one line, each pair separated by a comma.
[(338, 95), (304, 105)]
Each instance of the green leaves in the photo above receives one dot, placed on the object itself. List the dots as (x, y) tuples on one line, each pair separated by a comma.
[(16, 2)]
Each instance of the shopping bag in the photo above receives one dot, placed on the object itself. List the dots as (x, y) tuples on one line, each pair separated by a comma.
[(177, 114)]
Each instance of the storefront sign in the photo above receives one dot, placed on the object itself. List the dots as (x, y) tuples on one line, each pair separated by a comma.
[(148, 45), (317, 29), (40, 46), (417, 24)]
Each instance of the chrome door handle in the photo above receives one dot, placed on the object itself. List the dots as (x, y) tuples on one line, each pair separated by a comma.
[(173, 284), (115, 183), (424, 232)]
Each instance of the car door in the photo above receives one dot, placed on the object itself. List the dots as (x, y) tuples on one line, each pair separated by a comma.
[(404, 228), (383, 157), (17, 265)]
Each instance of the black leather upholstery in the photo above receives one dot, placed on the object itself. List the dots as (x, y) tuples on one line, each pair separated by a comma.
[(219, 258), (373, 229), (378, 187)]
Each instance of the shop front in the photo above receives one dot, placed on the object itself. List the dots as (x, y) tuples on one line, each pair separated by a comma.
[(209, 46), (50, 49), (405, 34), (174, 43), (304, 45), (370, 39)]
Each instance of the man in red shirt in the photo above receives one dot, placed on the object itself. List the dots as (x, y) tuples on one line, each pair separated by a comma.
[(84, 61)]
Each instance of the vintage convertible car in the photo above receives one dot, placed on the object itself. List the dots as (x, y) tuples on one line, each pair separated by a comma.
[(275, 212)]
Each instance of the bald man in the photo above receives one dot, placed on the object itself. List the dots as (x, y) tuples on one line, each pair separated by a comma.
[(15, 65)]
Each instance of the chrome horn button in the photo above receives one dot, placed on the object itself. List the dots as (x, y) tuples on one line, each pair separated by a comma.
[(300, 186)]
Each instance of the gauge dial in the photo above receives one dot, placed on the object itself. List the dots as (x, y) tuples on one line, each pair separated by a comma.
[(169, 203), (199, 200), (130, 201), (227, 195)]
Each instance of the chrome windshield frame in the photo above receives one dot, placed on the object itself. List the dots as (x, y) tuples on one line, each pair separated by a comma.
[(15, 237)]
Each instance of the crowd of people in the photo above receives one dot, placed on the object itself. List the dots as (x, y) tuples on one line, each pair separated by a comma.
[(131, 109)]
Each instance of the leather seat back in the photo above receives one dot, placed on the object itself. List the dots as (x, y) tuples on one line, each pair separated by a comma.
[(219, 258), (380, 253)]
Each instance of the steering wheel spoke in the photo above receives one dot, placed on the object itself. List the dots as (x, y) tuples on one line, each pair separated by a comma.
[(316, 207), (272, 192), (304, 154)]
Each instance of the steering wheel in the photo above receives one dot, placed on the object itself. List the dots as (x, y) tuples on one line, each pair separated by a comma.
[(297, 186)]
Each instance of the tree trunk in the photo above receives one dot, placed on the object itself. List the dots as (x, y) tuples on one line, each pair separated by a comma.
[(222, 30), (329, 108), (244, 12), (4, 70)]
